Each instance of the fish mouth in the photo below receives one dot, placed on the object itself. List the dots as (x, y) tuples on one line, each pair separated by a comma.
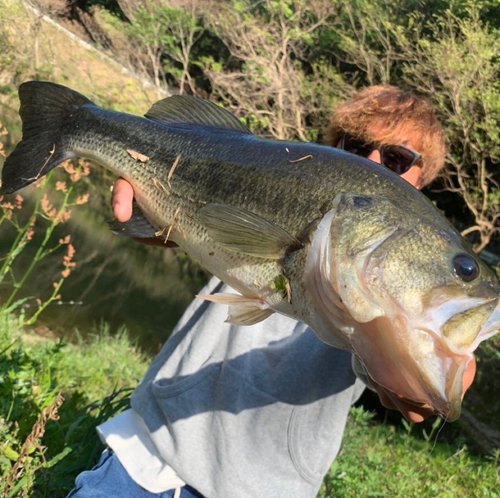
[(424, 364), (413, 366)]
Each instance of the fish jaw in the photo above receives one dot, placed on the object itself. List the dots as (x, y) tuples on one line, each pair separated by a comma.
[(425, 362), (412, 363)]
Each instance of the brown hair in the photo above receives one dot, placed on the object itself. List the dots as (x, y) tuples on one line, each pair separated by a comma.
[(386, 114)]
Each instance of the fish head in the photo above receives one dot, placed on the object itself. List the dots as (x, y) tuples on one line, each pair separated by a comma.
[(405, 294)]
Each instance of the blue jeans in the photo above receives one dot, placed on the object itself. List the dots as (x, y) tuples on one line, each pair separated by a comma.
[(109, 479)]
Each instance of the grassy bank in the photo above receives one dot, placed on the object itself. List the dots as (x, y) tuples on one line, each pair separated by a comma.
[(54, 393), (413, 461)]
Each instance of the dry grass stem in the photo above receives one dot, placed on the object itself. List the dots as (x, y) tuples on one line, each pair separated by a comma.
[(190, 199), (309, 156), (37, 176), (160, 186), (37, 432), (172, 169), (170, 228), (137, 156), (288, 291)]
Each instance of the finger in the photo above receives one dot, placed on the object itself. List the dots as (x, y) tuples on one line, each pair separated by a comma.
[(411, 412), (470, 372), (123, 195)]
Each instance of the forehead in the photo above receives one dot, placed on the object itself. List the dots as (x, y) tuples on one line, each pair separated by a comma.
[(399, 134)]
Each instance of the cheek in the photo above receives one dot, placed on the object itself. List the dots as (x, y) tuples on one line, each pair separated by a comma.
[(375, 156), (412, 175)]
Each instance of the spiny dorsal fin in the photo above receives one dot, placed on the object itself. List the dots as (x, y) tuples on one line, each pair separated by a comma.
[(189, 109), (242, 231)]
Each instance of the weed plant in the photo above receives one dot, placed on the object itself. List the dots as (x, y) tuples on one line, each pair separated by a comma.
[(379, 460), (51, 214), (48, 407)]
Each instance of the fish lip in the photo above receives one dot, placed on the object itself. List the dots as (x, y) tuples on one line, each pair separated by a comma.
[(448, 402), (491, 326), (449, 411)]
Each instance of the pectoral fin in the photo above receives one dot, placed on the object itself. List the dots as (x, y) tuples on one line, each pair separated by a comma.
[(242, 310), (242, 231)]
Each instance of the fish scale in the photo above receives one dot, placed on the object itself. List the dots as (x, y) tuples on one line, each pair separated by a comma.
[(184, 185)]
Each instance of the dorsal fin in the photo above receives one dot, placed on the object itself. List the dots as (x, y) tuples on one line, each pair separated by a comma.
[(189, 109)]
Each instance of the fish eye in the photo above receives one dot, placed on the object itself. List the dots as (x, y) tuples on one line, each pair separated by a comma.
[(465, 267)]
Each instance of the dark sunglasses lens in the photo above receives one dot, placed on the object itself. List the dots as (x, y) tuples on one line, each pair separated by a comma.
[(398, 159), (357, 147)]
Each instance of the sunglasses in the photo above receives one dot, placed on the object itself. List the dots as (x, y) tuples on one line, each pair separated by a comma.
[(397, 158)]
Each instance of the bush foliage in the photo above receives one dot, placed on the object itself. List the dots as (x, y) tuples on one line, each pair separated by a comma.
[(281, 65)]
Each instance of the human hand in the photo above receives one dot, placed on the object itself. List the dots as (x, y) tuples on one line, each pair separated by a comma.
[(415, 412), (121, 202)]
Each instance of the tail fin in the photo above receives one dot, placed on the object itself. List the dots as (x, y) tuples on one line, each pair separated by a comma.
[(46, 109)]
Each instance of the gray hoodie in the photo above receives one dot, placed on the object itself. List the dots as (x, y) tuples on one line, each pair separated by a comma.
[(246, 412)]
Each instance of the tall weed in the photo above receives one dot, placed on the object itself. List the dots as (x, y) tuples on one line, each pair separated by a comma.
[(21, 217), (45, 442)]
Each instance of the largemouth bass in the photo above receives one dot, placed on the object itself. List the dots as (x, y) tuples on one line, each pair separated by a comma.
[(309, 231)]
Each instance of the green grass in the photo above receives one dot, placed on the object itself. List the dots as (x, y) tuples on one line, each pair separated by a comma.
[(483, 398), (382, 460), (93, 376)]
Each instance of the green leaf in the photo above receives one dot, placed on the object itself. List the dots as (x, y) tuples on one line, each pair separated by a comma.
[(16, 304), (57, 458), (10, 453)]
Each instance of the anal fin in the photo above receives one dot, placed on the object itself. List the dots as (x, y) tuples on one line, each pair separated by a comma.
[(137, 226)]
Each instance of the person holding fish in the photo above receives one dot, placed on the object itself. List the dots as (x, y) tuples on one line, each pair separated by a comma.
[(332, 252), (282, 425)]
